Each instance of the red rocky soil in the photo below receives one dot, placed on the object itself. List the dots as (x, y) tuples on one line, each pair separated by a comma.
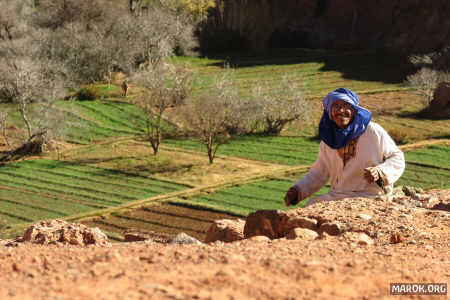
[(353, 250)]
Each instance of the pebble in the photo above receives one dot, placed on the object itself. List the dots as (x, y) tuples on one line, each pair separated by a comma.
[(365, 217)]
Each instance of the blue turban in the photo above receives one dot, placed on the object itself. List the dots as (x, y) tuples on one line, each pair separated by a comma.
[(329, 132)]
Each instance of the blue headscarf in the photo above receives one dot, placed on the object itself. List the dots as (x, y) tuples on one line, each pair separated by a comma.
[(329, 132)]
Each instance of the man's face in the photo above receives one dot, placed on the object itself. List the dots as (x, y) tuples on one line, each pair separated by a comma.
[(342, 113)]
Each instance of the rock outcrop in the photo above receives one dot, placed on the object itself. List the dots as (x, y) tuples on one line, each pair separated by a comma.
[(61, 232), (225, 230), (361, 221)]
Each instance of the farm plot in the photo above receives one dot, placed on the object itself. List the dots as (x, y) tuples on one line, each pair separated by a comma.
[(250, 197), (436, 155), (319, 71), (97, 120), (425, 177), (40, 189), (275, 149), (163, 217)]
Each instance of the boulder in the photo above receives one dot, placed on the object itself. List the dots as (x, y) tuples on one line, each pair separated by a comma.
[(225, 230), (264, 222), (58, 231), (440, 105), (182, 238)]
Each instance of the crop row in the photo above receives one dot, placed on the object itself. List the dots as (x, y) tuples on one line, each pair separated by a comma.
[(425, 177), (42, 188), (283, 150), (251, 197), (437, 155)]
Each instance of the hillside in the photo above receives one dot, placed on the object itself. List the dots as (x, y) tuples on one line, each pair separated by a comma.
[(398, 26)]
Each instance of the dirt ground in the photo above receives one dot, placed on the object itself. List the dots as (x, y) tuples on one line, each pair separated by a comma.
[(331, 267)]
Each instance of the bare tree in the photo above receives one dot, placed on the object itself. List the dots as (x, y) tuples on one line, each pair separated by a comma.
[(433, 69), (275, 108), (33, 78), (209, 116), (166, 86)]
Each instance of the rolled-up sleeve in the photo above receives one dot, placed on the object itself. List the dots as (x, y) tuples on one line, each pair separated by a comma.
[(393, 158), (315, 178)]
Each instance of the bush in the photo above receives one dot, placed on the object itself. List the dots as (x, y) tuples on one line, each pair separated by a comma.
[(399, 136), (89, 93)]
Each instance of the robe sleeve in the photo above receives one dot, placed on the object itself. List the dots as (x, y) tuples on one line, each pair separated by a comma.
[(393, 158), (315, 178)]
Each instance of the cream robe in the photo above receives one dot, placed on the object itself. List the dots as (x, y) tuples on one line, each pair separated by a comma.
[(375, 148)]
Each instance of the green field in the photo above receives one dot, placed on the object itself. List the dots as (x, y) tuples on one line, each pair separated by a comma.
[(275, 149), (425, 177), (318, 70), (251, 197), (42, 189), (436, 155)]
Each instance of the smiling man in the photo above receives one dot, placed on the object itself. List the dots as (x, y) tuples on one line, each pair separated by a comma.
[(356, 155)]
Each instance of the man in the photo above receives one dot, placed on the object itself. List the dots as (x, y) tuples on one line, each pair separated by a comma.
[(356, 155)]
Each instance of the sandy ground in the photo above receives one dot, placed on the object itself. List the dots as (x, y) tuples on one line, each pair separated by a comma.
[(331, 267)]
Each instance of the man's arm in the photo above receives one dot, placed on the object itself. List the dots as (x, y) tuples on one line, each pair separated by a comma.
[(316, 178)]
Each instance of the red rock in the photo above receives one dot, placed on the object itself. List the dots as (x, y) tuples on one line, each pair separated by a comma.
[(264, 222), (440, 105), (58, 231), (225, 230)]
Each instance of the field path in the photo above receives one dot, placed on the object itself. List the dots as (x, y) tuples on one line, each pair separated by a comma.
[(423, 144), (238, 180)]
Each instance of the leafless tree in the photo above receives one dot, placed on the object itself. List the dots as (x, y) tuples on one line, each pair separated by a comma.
[(209, 116), (433, 69), (166, 86), (426, 80), (275, 108), (33, 78)]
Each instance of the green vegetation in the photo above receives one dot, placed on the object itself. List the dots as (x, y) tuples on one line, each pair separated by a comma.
[(41, 189), (276, 149), (436, 155), (425, 177), (320, 71), (251, 197)]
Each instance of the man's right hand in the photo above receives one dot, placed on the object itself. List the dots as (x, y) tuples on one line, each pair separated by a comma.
[(291, 197)]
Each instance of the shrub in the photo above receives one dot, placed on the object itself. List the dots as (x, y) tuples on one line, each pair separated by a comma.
[(89, 93), (399, 136)]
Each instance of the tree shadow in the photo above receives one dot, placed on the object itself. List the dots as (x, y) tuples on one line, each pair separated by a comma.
[(423, 114), (355, 65)]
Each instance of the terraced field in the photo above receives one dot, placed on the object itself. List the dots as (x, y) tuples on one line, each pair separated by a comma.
[(293, 150), (436, 155), (160, 217), (41, 189), (110, 170), (318, 71)]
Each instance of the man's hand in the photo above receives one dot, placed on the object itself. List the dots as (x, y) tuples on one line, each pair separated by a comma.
[(291, 197), (371, 174)]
